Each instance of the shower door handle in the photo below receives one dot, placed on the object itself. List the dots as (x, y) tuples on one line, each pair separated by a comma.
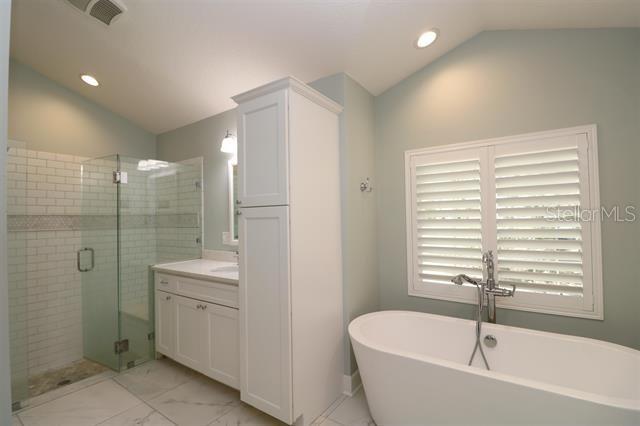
[(79, 252)]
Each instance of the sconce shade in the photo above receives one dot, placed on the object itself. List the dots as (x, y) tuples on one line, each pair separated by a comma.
[(229, 144)]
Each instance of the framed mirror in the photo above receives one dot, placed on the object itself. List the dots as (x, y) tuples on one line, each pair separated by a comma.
[(231, 236)]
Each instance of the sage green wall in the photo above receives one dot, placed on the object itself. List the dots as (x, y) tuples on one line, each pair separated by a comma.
[(49, 117), (508, 82), (5, 376), (359, 254), (202, 139)]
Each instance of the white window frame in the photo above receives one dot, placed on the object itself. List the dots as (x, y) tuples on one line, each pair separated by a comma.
[(592, 306)]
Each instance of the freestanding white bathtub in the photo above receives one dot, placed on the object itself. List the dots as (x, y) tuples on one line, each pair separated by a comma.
[(414, 371)]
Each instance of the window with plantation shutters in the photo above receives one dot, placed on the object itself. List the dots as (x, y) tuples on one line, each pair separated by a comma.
[(448, 222), (521, 197)]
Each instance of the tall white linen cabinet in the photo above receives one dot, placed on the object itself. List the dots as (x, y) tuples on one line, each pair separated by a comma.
[(291, 329)]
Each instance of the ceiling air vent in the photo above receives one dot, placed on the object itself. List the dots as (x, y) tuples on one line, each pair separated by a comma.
[(105, 11)]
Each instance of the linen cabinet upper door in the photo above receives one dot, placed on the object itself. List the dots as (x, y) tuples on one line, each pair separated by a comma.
[(262, 151)]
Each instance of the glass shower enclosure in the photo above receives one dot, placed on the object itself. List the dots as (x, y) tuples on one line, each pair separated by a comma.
[(135, 213)]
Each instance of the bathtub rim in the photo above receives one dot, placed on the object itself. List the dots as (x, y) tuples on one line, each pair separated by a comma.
[(624, 403)]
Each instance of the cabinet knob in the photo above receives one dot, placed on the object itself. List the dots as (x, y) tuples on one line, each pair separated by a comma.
[(238, 201), (165, 282), (238, 212), (167, 298)]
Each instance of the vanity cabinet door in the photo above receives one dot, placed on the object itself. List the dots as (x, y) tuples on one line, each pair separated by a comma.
[(262, 151), (191, 333), (165, 319), (223, 361)]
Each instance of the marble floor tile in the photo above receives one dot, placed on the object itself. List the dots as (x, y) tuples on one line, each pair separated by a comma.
[(353, 411), (154, 378), (87, 407), (140, 415), (197, 402), (245, 414), (65, 390)]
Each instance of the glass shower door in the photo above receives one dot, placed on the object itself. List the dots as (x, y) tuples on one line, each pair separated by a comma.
[(137, 253), (98, 261)]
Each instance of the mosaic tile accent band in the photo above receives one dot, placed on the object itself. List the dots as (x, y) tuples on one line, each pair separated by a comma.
[(88, 222)]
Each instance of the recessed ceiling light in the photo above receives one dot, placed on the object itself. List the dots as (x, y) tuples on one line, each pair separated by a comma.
[(89, 79), (427, 38)]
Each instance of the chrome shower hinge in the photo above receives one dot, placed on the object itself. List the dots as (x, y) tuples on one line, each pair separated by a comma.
[(121, 346), (120, 177)]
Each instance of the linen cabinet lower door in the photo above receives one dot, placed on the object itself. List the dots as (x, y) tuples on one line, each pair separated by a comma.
[(265, 311), (191, 333), (223, 363)]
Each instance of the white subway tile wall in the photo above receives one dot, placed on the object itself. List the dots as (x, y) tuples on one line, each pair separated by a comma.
[(45, 285), (51, 200)]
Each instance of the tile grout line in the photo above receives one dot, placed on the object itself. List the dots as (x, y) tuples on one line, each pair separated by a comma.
[(161, 414), (342, 402), (173, 388), (153, 410), (333, 407), (127, 390), (222, 415), (142, 402)]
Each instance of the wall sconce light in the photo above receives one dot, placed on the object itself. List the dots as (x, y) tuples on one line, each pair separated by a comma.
[(229, 144)]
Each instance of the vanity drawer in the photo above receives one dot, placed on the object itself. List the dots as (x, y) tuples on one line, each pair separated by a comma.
[(165, 282), (219, 293)]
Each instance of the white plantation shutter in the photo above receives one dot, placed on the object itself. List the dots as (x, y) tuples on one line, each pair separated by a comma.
[(542, 245), (448, 206), (520, 198), (537, 253), (447, 218)]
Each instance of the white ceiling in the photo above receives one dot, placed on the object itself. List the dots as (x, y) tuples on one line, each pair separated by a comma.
[(167, 63)]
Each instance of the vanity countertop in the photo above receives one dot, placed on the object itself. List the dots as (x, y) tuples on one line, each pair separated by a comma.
[(202, 269)]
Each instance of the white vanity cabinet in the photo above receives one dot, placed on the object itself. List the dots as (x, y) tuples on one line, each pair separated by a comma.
[(196, 332), (290, 290)]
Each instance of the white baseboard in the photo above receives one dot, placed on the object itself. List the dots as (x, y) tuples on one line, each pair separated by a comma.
[(351, 384)]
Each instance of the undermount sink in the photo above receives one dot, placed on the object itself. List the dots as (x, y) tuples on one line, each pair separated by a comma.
[(229, 268)]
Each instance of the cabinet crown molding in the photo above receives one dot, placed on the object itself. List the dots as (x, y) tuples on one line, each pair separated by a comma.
[(294, 84)]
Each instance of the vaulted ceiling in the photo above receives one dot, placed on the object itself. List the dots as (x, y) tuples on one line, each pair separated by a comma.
[(167, 63)]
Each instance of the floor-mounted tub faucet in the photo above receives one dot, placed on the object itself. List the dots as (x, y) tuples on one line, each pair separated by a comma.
[(489, 289)]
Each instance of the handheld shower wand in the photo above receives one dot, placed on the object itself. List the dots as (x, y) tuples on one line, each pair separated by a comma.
[(459, 280)]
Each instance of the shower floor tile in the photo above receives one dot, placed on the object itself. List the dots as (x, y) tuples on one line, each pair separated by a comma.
[(54, 379)]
